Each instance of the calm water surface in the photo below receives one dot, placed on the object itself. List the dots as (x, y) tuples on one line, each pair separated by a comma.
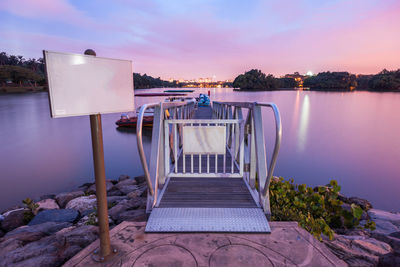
[(351, 137)]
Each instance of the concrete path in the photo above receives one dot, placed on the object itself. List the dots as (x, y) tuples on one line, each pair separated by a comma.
[(287, 245)]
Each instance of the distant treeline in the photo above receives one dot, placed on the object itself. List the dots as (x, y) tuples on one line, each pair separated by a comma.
[(324, 81), (17, 69), (146, 81), (257, 80)]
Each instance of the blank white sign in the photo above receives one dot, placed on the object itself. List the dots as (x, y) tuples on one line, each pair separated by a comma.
[(204, 139), (86, 85)]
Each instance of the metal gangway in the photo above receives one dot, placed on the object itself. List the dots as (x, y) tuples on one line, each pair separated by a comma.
[(208, 169)]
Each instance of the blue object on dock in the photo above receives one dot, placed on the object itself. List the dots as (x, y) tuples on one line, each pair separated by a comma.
[(204, 101)]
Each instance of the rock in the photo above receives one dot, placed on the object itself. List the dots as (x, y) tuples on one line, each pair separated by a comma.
[(46, 204), (115, 212), (358, 250), (63, 198), (87, 212), (395, 234), (112, 181), (49, 196), (47, 228), (85, 221), (385, 227), (134, 194), (393, 241), (82, 203), (1, 218), (92, 188), (52, 250), (127, 186), (113, 200), (123, 177), (16, 207), (13, 219), (343, 198), (392, 217), (390, 259), (5, 214), (84, 187), (114, 192), (1, 233), (87, 185), (9, 244), (132, 215), (125, 205), (64, 215), (140, 179), (363, 203)]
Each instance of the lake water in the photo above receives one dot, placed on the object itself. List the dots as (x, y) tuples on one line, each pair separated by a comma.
[(351, 137)]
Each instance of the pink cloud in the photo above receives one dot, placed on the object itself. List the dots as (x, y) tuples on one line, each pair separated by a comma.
[(58, 10), (184, 46)]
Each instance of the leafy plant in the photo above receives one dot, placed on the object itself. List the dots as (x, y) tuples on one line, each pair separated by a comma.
[(92, 218), (31, 206), (318, 211)]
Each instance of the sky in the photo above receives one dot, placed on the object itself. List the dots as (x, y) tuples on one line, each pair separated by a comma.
[(201, 38)]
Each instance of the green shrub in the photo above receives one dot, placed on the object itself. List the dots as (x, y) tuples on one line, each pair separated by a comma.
[(31, 206), (318, 211)]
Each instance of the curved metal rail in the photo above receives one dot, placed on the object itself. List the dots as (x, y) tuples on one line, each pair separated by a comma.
[(139, 138), (278, 133), (278, 138), (139, 135)]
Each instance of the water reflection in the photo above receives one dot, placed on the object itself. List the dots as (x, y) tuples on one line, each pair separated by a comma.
[(304, 120), (295, 117), (40, 155)]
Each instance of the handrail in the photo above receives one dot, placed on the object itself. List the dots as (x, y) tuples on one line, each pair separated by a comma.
[(139, 135), (278, 134), (278, 138), (139, 139)]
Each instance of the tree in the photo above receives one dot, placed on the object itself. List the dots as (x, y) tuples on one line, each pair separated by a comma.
[(287, 83), (385, 81), (146, 81), (331, 81), (255, 80), (18, 74)]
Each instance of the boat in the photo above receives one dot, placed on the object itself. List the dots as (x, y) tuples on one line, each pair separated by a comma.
[(126, 121), (179, 91), (203, 101)]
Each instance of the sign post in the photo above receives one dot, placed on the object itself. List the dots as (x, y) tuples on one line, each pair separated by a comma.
[(100, 180), (88, 85)]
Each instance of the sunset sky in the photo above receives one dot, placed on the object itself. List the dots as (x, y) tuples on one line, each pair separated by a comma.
[(192, 38)]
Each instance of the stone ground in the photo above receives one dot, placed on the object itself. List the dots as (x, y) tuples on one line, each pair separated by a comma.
[(287, 245)]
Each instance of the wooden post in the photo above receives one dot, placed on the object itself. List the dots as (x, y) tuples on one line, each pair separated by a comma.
[(101, 192), (100, 179)]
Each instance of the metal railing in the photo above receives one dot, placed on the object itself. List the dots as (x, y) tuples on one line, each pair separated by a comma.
[(245, 155), (182, 163), (162, 111), (257, 171)]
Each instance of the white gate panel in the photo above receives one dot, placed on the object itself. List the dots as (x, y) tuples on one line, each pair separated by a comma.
[(204, 140)]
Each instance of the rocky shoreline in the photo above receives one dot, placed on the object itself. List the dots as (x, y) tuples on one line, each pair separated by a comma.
[(64, 224), (59, 226), (364, 247)]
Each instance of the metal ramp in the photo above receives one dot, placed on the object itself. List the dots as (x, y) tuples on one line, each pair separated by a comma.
[(206, 166), (243, 220)]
